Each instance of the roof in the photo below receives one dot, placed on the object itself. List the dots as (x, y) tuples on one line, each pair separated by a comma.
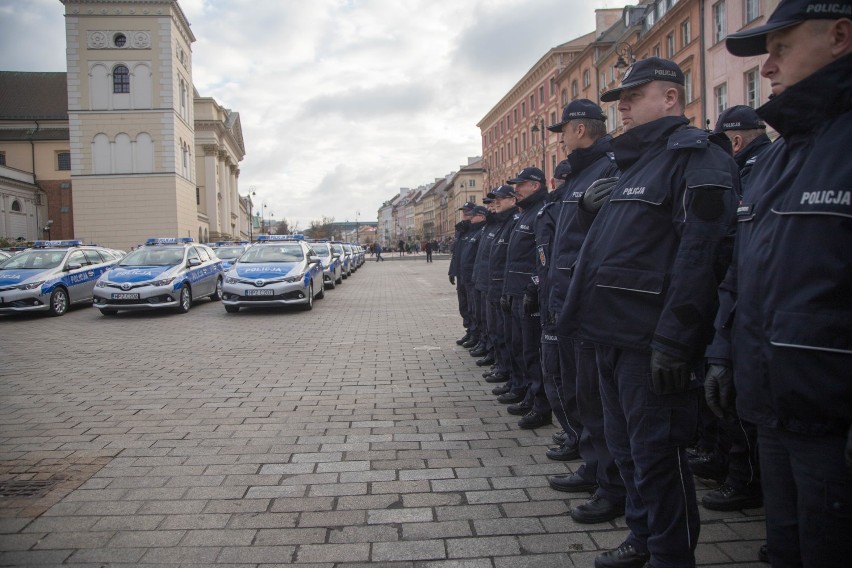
[(33, 134), (26, 95)]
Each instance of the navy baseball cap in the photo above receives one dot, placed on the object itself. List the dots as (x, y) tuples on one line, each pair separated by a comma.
[(467, 207), (645, 71), (739, 117), (788, 13), (486, 200), (480, 210), (563, 170), (527, 174), (502, 191), (580, 108)]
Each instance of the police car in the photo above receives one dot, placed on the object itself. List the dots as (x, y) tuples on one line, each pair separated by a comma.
[(229, 252), (332, 268), (52, 276), (345, 259), (164, 273), (278, 270), (4, 255)]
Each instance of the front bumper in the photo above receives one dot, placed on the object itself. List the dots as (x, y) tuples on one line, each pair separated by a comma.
[(277, 294), (16, 301), (142, 298)]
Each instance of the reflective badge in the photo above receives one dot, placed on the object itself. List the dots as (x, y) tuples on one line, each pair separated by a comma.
[(541, 257)]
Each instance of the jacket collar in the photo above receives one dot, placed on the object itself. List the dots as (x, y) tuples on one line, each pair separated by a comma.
[(753, 148), (503, 215), (583, 157), (530, 201), (820, 97), (462, 225), (630, 146)]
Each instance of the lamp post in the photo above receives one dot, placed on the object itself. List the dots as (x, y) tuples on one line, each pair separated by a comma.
[(357, 236), (538, 126), (271, 223), (47, 228), (625, 55)]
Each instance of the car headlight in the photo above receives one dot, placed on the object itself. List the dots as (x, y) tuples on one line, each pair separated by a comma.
[(294, 278), (163, 282), (101, 284), (230, 280), (30, 286)]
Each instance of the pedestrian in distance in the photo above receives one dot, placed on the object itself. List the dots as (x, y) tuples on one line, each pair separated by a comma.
[(377, 249), (428, 251)]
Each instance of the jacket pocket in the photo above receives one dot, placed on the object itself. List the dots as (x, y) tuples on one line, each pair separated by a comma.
[(815, 331), (629, 302), (630, 280)]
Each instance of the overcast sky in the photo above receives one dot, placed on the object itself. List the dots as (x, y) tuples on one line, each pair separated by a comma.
[(342, 102)]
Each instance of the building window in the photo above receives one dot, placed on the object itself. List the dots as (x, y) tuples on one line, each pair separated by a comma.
[(564, 97), (532, 103), (687, 85), (471, 183), (752, 88), (575, 89), (524, 108), (120, 79), (552, 86), (515, 114), (63, 161), (685, 34), (552, 118), (603, 78), (670, 45), (515, 142), (197, 195), (587, 78), (16, 206), (720, 93), (719, 25), (120, 40), (2, 158), (657, 51), (752, 10), (541, 95), (523, 141)]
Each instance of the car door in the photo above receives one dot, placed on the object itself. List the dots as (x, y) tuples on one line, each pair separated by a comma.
[(199, 275), (75, 279)]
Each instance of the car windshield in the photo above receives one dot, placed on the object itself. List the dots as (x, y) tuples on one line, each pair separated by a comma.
[(348, 249), (34, 259), (321, 250), (338, 249), (153, 256), (227, 253), (285, 252)]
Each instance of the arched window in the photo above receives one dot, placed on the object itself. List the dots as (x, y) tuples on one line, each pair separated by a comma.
[(16, 206), (564, 97), (575, 89), (120, 79)]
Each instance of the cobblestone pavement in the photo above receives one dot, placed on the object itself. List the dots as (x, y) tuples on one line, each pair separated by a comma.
[(357, 433)]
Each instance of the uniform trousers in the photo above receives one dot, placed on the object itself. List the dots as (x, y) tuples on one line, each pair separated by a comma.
[(461, 292), (807, 492), (497, 331), (529, 327), (514, 346), (553, 385), (647, 434), (485, 333), (473, 310)]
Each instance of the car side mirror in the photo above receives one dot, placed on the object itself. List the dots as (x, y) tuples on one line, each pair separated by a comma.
[(73, 266), (335, 255), (313, 259), (194, 262)]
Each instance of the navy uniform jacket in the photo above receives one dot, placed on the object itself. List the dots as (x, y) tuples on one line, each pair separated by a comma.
[(497, 258), (521, 256), (747, 157), (644, 276), (587, 166), (461, 229), (791, 281), (467, 251), (483, 253), (545, 225)]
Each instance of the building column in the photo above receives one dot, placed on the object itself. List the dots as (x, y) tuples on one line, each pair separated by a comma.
[(211, 151)]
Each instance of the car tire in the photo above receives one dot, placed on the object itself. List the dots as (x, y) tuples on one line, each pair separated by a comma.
[(217, 292), (339, 279), (231, 309), (310, 303), (184, 300), (331, 284), (108, 312), (58, 302)]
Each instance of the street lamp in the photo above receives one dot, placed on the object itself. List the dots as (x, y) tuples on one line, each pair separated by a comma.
[(47, 228), (539, 120), (357, 239)]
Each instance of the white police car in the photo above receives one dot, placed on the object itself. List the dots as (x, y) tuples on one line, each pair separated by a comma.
[(279, 270), (345, 259), (165, 273), (229, 252), (52, 276), (332, 268)]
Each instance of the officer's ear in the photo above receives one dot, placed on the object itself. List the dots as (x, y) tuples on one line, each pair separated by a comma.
[(841, 37)]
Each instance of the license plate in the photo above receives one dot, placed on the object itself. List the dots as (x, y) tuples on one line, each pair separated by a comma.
[(260, 293), (125, 296)]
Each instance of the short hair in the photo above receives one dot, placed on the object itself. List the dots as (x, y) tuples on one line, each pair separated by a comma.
[(596, 129), (747, 135)]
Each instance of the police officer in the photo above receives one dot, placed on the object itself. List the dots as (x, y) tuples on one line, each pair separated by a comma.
[(733, 457), (583, 134), (504, 211), (461, 230), (467, 253), (531, 190), (480, 281), (643, 290), (790, 336)]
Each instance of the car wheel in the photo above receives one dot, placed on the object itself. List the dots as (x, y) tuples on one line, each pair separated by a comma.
[(232, 309), (310, 304), (58, 302), (108, 312), (331, 284), (185, 301), (321, 294), (217, 292), (339, 279)]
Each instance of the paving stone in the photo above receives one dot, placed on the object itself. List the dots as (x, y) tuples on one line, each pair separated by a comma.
[(411, 550), (487, 546), (386, 516), (352, 552), (380, 533)]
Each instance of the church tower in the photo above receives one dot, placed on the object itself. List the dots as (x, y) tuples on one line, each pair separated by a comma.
[(131, 125)]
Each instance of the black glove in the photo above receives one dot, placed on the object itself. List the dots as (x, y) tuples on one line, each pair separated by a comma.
[(453, 280), (669, 375), (506, 304), (530, 302), (719, 391), (597, 194), (849, 448)]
